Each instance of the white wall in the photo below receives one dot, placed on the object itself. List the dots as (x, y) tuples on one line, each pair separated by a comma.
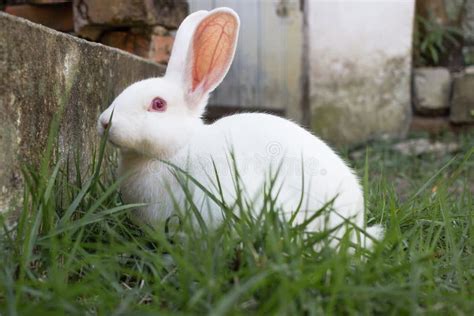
[(360, 67)]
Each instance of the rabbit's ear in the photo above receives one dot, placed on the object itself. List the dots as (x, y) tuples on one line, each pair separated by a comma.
[(210, 53), (177, 64)]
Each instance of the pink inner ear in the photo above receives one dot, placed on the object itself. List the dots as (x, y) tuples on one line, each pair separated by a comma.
[(213, 48)]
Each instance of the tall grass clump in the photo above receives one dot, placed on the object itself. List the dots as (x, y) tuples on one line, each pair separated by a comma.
[(74, 251)]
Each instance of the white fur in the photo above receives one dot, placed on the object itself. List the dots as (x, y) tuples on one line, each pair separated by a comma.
[(261, 143)]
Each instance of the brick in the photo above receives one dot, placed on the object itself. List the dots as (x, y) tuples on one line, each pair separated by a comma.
[(135, 43), (155, 44), (57, 16), (160, 50), (109, 14)]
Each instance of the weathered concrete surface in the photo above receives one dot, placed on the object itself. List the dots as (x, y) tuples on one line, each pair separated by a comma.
[(360, 68), (39, 70), (431, 90)]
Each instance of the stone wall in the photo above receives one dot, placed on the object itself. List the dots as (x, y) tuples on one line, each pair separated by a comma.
[(42, 70)]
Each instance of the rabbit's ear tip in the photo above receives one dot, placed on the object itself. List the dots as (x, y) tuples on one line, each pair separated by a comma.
[(199, 12), (225, 10)]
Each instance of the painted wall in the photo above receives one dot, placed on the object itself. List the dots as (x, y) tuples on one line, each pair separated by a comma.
[(360, 68)]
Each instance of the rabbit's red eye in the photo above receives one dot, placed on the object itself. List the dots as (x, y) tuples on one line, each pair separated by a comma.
[(157, 105)]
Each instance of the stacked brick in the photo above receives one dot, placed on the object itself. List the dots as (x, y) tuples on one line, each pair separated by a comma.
[(141, 27)]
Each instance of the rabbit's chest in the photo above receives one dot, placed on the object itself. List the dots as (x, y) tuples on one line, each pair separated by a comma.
[(150, 183)]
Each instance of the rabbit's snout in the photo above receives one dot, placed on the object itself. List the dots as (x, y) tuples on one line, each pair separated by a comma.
[(103, 124)]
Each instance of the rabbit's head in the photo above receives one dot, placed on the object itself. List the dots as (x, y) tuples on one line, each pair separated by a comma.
[(155, 117)]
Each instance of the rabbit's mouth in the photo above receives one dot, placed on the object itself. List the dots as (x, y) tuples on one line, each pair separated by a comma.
[(102, 133), (110, 140)]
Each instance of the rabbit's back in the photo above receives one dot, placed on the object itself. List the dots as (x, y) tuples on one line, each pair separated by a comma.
[(262, 146)]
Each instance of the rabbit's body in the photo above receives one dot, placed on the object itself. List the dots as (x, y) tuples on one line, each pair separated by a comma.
[(157, 122), (263, 146)]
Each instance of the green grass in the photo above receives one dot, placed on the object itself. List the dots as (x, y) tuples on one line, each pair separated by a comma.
[(73, 250)]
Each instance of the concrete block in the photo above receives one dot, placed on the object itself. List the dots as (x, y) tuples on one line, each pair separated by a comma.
[(432, 90), (360, 69), (41, 70)]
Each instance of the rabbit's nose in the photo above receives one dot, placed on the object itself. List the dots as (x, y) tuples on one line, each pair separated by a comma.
[(105, 124)]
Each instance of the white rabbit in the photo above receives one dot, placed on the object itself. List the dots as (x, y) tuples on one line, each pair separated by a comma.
[(159, 119)]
